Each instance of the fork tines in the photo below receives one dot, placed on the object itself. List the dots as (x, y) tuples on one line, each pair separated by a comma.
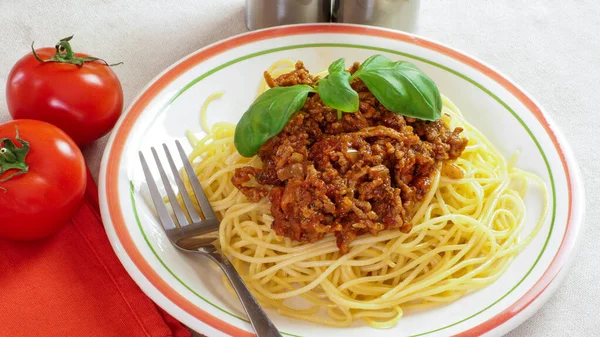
[(157, 199)]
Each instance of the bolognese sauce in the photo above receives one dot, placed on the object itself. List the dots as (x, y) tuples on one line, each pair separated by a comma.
[(360, 174)]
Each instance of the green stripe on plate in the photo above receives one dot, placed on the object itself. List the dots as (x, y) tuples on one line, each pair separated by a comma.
[(354, 46)]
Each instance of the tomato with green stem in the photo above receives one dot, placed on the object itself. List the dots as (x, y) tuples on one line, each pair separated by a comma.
[(76, 92), (42, 179)]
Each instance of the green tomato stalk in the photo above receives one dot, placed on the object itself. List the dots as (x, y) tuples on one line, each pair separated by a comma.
[(13, 157), (65, 54)]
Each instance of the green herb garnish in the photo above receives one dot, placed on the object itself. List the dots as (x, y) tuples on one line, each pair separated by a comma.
[(267, 116), (335, 90), (399, 86)]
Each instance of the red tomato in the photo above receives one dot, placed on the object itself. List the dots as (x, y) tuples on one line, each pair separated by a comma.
[(36, 203), (84, 100)]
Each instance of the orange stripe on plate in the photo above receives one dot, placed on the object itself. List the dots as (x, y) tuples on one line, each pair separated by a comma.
[(202, 55)]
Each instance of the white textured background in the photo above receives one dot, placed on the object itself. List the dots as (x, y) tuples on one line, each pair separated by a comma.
[(550, 47)]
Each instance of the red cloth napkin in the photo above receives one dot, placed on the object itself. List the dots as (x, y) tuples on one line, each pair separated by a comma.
[(72, 284)]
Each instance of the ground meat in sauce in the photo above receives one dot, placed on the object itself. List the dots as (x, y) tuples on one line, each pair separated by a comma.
[(361, 174)]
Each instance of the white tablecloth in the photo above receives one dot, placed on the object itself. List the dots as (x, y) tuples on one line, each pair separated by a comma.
[(551, 48)]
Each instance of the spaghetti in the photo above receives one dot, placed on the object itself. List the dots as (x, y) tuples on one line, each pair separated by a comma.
[(465, 233)]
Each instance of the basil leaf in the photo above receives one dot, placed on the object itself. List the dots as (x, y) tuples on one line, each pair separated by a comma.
[(401, 87), (335, 90), (267, 116), (337, 66)]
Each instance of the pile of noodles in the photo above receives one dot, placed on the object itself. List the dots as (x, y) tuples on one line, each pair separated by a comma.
[(465, 234)]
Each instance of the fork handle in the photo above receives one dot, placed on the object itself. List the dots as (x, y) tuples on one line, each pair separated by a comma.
[(259, 319)]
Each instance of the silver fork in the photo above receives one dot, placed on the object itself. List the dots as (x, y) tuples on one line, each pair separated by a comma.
[(188, 236)]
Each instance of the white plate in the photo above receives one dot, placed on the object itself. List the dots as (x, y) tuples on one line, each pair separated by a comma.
[(191, 290)]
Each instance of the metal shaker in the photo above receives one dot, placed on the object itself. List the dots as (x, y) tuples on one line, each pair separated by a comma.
[(395, 14), (268, 13)]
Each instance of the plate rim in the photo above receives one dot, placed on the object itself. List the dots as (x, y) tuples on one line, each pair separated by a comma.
[(546, 284)]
